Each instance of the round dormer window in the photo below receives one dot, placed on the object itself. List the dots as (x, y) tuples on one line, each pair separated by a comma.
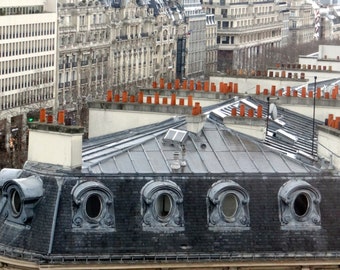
[(301, 204), (93, 206), (229, 206), (163, 205), (16, 203)]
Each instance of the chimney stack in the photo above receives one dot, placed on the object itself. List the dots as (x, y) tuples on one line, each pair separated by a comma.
[(55, 144)]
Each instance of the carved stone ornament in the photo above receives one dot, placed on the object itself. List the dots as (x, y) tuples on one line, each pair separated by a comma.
[(19, 198), (162, 206), (299, 205), (93, 206), (227, 206)]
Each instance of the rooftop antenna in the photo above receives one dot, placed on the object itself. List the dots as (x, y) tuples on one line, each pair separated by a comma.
[(313, 115)]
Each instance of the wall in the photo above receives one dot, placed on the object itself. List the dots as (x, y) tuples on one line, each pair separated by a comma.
[(321, 112), (248, 85), (329, 145), (114, 121)]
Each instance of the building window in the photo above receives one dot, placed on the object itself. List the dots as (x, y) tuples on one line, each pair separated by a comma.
[(162, 206), (299, 205), (228, 206), (82, 20), (93, 207), (16, 203), (294, 25), (20, 197)]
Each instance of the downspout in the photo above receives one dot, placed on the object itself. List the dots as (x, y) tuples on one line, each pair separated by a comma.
[(56, 208)]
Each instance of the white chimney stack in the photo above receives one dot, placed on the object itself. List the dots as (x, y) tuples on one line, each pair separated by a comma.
[(55, 144)]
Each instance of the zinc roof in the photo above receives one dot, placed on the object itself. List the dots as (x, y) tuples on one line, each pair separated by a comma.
[(216, 149)]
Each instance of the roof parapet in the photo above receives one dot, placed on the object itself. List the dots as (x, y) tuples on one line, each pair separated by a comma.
[(136, 111), (304, 93)]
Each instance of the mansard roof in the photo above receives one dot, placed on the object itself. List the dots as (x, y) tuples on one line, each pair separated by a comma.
[(158, 193)]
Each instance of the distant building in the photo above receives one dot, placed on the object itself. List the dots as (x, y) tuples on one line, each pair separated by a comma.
[(301, 22), (124, 45), (28, 55), (211, 47), (196, 38), (284, 14), (245, 30), (331, 22), (103, 47)]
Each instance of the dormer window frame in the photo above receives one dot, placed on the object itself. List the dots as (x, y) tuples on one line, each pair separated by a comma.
[(299, 206), (19, 198), (103, 217), (151, 193), (217, 205)]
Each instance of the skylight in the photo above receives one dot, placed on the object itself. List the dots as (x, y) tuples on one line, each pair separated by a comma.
[(175, 135)]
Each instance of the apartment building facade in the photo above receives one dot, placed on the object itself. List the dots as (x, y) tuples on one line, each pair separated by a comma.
[(211, 47), (301, 22), (28, 52), (196, 38), (244, 30), (119, 46)]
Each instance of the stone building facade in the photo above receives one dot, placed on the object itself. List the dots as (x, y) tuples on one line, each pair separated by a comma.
[(127, 45), (301, 22), (244, 30), (103, 47)]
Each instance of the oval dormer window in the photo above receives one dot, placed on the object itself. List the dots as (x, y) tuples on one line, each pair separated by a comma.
[(93, 207), (23, 195), (229, 206), (163, 205), (301, 204), (16, 203)]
